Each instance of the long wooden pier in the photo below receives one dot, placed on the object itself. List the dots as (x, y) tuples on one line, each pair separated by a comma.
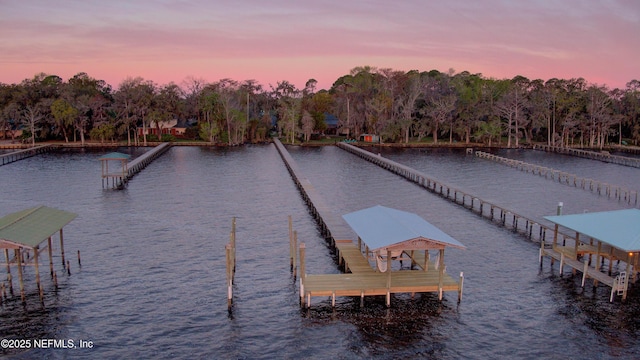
[(23, 154), (498, 214), (601, 188), (602, 156), (363, 280), (130, 169), (563, 247)]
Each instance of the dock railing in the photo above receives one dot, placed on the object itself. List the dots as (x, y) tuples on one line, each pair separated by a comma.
[(23, 154), (602, 156), (601, 188), (503, 216)]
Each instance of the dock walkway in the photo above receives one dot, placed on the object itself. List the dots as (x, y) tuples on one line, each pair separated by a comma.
[(602, 156), (121, 178), (565, 254), (363, 280), (601, 188), (498, 214), (23, 154)]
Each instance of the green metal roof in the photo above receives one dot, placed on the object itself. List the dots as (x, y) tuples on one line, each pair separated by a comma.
[(381, 227), (618, 228), (114, 156), (30, 227)]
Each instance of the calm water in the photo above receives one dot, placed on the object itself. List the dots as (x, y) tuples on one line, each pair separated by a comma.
[(152, 282)]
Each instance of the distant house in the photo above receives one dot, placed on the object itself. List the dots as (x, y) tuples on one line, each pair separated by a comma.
[(173, 127), (371, 138)]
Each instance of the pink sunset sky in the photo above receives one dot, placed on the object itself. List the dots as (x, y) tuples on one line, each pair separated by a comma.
[(271, 41)]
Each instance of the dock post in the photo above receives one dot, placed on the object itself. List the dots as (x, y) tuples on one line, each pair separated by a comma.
[(229, 277), (37, 267), (20, 279), (441, 273), (541, 251), (295, 245), (302, 275), (292, 249), (79, 262), (62, 247), (6, 255), (628, 274), (460, 286), (50, 251), (388, 278)]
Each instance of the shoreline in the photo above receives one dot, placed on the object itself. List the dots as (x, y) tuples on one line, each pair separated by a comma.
[(8, 144)]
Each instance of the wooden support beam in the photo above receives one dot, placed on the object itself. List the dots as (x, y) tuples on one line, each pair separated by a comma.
[(303, 274), (18, 254), (62, 247), (50, 251)]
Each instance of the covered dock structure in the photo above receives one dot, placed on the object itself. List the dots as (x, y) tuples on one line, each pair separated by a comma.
[(117, 176), (613, 236), (31, 230), (386, 235)]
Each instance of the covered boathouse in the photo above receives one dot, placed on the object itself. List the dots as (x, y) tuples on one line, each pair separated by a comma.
[(386, 235), (27, 231), (613, 236)]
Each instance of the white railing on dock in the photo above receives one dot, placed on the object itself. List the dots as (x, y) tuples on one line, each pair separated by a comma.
[(602, 156), (601, 188)]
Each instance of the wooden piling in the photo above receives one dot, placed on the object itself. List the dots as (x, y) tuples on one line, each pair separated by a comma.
[(229, 277), (50, 251), (62, 247), (79, 262), (35, 261), (461, 284), (295, 246), (303, 274), (292, 248), (20, 279)]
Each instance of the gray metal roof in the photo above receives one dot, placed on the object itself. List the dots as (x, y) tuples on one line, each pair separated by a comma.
[(381, 227), (30, 227), (618, 228)]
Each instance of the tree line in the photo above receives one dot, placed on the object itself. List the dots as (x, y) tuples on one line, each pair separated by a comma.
[(398, 106)]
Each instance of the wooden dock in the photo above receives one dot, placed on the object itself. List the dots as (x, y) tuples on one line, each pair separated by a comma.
[(498, 214), (363, 279), (604, 156), (532, 229), (601, 188), (129, 170), (564, 248), (23, 154)]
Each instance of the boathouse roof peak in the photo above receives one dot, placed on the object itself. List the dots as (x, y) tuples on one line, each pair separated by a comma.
[(382, 227), (28, 228), (618, 228)]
